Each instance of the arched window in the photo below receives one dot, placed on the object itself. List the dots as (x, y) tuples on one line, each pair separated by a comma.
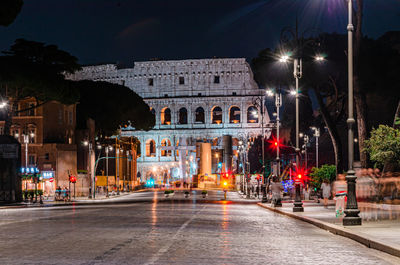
[(252, 115), (150, 148), (234, 115), (183, 116), (164, 143), (199, 115), (165, 116), (216, 115)]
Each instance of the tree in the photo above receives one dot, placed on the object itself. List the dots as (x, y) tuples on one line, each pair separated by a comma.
[(318, 175), (111, 106), (9, 9), (33, 69), (384, 146)]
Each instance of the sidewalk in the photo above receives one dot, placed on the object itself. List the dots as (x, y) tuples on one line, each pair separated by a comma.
[(380, 227)]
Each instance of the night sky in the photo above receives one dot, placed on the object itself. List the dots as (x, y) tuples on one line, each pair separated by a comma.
[(99, 31)]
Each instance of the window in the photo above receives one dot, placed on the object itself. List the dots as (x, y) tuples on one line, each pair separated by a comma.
[(216, 115), (32, 135), (199, 115), (181, 80), (216, 79), (31, 112), (15, 109), (252, 115), (233, 93), (165, 143), (70, 117), (183, 116), (150, 148), (15, 133), (199, 94), (60, 116), (47, 156), (165, 116), (151, 82), (32, 160), (234, 115)]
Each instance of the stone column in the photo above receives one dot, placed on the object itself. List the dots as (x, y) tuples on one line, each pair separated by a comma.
[(227, 146), (205, 159)]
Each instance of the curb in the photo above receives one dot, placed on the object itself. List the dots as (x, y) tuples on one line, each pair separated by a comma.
[(366, 240)]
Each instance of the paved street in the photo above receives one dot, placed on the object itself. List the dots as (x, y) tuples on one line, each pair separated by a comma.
[(152, 232)]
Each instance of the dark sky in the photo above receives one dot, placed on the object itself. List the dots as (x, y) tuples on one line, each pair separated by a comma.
[(98, 31)]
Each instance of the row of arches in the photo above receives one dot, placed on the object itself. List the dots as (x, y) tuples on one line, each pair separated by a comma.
[(216, 115)]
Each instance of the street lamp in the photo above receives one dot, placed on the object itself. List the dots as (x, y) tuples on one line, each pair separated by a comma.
[(316, 135), (351, 213), (259, 103), (88, 144), (278, 104), (27, 137)]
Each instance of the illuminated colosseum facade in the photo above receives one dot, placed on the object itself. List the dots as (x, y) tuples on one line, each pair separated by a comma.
[(194, 101)]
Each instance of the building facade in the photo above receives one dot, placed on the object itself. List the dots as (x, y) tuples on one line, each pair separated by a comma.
[(47, 137), (194, 101)]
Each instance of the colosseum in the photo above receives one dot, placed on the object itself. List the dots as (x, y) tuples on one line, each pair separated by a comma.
[(201, 106)]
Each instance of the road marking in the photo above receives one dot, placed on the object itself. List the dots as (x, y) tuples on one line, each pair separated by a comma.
[(166, 247)]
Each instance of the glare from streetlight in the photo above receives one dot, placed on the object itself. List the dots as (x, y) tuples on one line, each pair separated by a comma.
[(274, 114), (3, 104), (110, 148), (270, 93), (32, 134), (85, 143), (293, 92), (284, 59), (301, 134), (319, 58)]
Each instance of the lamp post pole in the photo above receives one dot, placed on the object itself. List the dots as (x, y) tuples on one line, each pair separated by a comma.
[(297, 72), (278, 104), (107, 150), (351, 213)]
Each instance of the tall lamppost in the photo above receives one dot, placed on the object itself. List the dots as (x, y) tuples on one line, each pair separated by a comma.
[(278, 104), (27, 136), (108, 149), (91, 178), (351, 213), (316, 135), (258, 102)]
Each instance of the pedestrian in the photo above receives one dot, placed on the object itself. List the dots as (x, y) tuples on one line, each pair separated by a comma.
[(276, 188), (326, 191), (258, 191), (340, 191)]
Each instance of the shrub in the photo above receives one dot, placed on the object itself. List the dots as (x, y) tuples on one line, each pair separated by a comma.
[(318, 175), (204, 192), (384, 146)]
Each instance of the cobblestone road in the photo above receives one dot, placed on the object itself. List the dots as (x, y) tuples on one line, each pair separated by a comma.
[(171, 233)]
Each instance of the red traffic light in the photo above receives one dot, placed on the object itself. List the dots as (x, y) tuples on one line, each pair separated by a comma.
[(72, 179)]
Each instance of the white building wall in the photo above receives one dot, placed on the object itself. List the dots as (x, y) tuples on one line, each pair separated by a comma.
[(236, 87)]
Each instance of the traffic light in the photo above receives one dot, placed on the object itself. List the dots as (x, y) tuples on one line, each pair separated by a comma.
[(72, 179)]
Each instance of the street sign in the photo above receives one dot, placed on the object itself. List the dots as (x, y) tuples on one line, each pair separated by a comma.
[(51, 179)]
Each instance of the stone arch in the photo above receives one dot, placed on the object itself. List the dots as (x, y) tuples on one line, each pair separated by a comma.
[(166, 116), (216, 115), (183, 116), (165, 142), (199, 115), (234, 114), (150, 148), (252, 114)]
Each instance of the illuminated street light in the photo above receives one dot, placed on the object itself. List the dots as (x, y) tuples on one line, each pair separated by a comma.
[(293, 92), (284, 59), (3, 105), (319, 58), (270, 93)]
